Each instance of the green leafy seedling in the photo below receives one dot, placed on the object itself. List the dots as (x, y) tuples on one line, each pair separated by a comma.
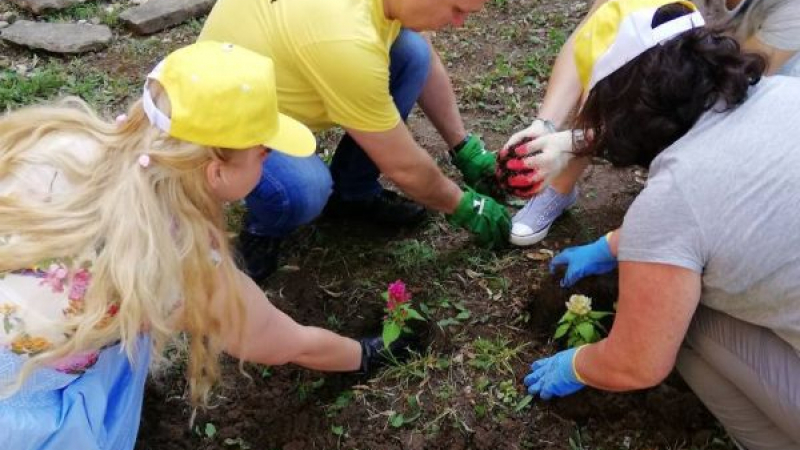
[(397, 420)]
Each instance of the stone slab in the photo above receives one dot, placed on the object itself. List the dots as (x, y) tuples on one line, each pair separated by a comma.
[(40, 6), (156, 15), (57, 37)]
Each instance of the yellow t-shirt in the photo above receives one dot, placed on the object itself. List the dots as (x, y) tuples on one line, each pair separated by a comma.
[(331, 56)]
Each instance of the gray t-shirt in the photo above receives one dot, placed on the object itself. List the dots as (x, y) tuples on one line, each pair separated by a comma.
[(724, 201), (774, 22)]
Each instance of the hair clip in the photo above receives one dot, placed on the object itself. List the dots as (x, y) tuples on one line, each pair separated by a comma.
[(144, 160)]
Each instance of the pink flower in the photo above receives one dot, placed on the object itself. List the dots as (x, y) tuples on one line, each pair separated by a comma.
[(397, 293), (80, 283), (54, 277)]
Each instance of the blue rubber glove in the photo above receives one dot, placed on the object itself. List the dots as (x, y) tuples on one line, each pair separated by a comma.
[(553, 376), (583, 260)]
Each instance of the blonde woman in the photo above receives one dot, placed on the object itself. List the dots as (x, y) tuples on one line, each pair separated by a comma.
[(112, 240)]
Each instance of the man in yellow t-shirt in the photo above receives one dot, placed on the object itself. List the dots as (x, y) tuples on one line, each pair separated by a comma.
[(361, 65)]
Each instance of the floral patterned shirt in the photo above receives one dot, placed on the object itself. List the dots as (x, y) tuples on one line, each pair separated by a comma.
[(35, 302)]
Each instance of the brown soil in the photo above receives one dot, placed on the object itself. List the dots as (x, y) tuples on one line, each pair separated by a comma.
[(285, 411)]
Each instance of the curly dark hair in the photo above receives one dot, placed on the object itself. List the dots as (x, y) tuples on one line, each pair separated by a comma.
[(642, 108)]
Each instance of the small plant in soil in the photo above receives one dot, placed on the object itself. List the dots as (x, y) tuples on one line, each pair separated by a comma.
[(507, 392), (461, 314), (397, 419), (580, 325), (264, 371), (398, 312), (305, 390), (236, 443), (208, 431), (342, 401)]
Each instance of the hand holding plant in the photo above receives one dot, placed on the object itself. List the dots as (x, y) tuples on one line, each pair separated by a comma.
[(398, 311), (580, 324)]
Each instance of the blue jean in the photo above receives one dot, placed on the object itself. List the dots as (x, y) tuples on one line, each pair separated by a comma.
[(293, 191)]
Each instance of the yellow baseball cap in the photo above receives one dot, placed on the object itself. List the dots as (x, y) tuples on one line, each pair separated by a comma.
[(619, 31), (223, 95)]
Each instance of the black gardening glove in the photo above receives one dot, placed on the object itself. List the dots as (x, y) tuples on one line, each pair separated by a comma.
[(374, 355)]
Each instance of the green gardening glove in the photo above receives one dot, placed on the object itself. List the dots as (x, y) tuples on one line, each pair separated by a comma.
[(485, 218), (476, 164)]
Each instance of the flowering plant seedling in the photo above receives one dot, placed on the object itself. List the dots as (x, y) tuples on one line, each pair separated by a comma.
[(580, 324), (398, 311)]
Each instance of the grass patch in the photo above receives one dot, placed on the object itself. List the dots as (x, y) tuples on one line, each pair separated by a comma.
[(411, 254), (96, 87), (106, 14), (54, 79), (79, 11), (18, 90)]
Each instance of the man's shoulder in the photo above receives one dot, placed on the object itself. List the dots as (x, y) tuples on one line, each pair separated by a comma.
[(335, 21)]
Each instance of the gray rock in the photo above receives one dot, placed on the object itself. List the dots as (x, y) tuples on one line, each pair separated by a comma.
[(156, 15), (40, 6), (57, 37), (3, 24)]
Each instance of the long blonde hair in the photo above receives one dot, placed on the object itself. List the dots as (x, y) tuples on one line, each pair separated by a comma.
[(154, 229)]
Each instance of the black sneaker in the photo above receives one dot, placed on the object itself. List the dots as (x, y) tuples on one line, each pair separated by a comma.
[(386, 208), (259, 255)]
